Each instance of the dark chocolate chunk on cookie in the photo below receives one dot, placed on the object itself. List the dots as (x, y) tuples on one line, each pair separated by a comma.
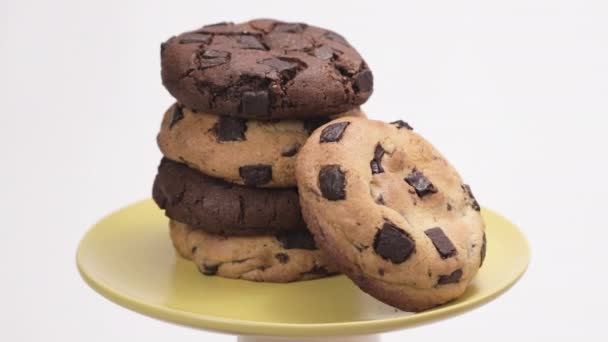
[(209, 270), (212, 58), (332, 182), (318, 270), (325, 52), (420, 183), (441, 242), (265, 69), (256, 175), (364, 81), (393, 243), (312, 124), (300, 239), (255, 103), (282, 258), (454, 277), (376, 163), (333, 132), (178, 114), (195, 38), (250, 42), (230, 129), (469, 193), (402, 124)]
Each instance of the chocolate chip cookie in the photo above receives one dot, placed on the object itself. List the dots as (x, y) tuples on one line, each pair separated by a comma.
[(265, 69), (391, 211), (220, 207), (251, 152), (283, 258)]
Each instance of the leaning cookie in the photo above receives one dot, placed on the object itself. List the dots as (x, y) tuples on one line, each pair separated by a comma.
[(223, 208), (391, 211), (283, 258), (265, 69), (251, 152)]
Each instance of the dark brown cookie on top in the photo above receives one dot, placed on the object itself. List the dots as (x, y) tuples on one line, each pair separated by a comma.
[(220, 207), (265, 69)]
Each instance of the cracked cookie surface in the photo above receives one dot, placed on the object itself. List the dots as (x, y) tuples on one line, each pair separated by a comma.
[(251, 152), (221, 207), (283, 258), (265, 69), (391, 211)]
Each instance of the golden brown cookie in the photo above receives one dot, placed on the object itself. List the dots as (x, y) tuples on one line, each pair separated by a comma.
[(250, 152), (283, 258), (391, 211)]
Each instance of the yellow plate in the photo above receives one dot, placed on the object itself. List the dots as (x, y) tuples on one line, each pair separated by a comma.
[(128, 258)]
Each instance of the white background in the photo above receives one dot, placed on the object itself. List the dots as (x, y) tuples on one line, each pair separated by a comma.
[(515, 94)]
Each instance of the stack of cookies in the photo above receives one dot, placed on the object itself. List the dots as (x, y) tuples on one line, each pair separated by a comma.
[(248, 97)]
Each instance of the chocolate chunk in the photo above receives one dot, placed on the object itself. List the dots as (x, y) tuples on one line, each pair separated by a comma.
[(178, 114), (363, 81), (194, 249), (380, 199), (297, 239), (317, 270), (420, 183), (392, 243), (441, 242), (287, 67), (333, 132), (483, 250), (325, 52), (282, 257), (255, 102), (209, 270), (449, 279), (402, 124), (474, 203), (289, 28), (250, 42), (449, 207), (290, 150), (256, 175), (376, 163), (332, 182), (336, 38), (195, 38), (312, 124), (213, 58), (230, 129)]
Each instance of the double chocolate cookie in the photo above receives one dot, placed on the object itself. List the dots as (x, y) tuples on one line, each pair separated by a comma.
[(265, 69), (391, 211), (224, 208), (251, 152), (284, 258)]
